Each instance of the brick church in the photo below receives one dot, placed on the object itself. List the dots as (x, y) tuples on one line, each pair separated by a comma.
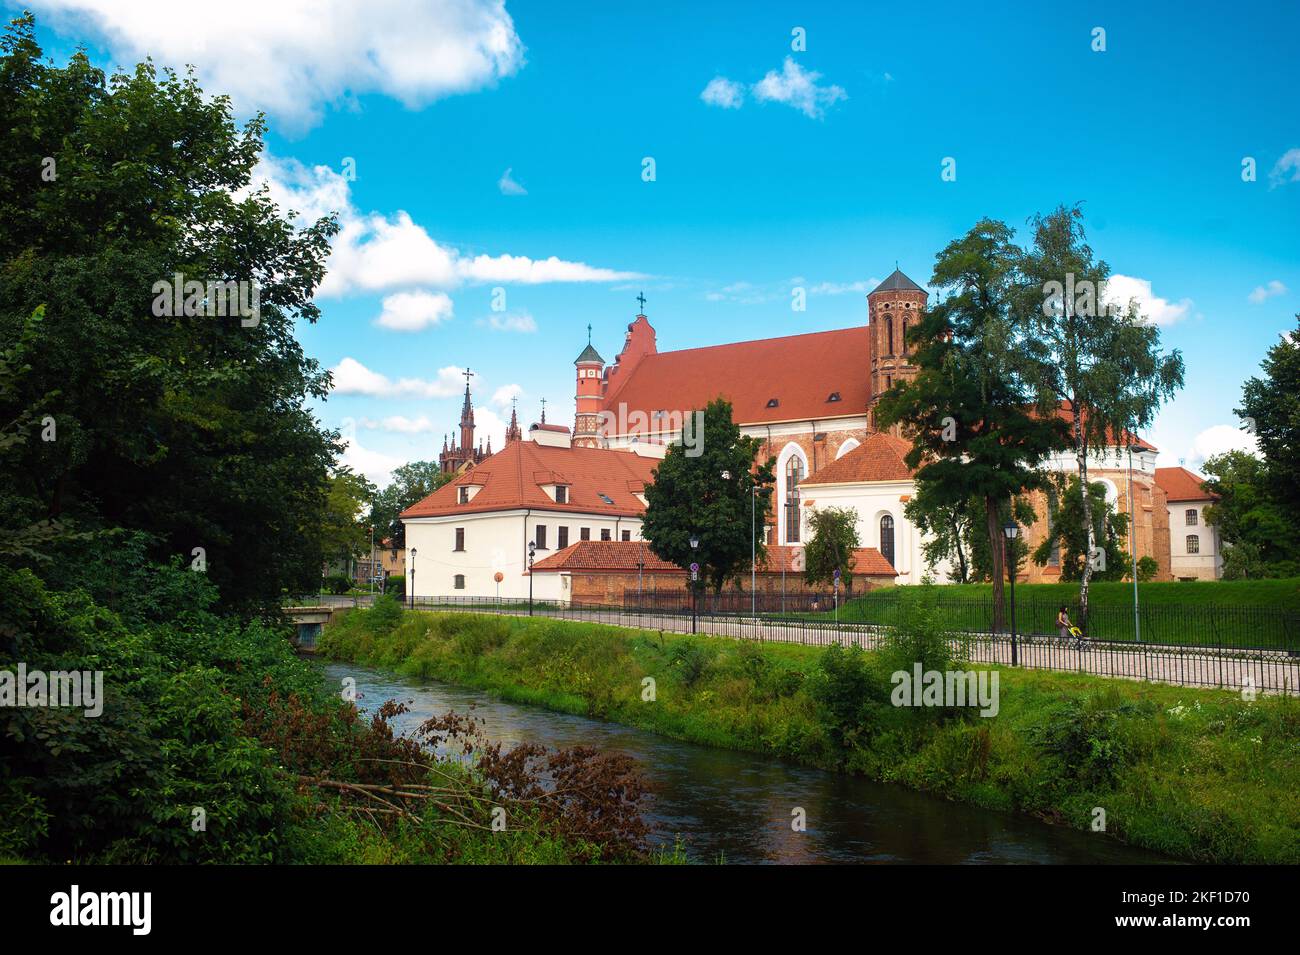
[(809, 398)]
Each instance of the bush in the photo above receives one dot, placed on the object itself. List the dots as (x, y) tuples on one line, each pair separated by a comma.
[(395, 584), (337, 584)]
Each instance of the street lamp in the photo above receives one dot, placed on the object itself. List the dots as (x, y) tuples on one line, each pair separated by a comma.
[(412, 597), (695, 590), (532, 552), (1011, 530), (640, 578)]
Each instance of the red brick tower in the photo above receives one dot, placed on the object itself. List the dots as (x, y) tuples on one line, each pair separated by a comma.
[(586, 424), (894, 306)]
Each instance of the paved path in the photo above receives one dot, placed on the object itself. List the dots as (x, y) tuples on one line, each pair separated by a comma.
[(1268, 671)]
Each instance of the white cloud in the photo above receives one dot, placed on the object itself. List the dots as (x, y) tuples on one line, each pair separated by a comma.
[(1217, 440), (413, 311), (723, 92), (798, 88), (521, 322), (1263, 292), (375, 465), (508, 186), (502, 396), (292, 58), (375, 252), (353, 378), (1286, 169), (1121, 289), (398, 424), (841, 288)]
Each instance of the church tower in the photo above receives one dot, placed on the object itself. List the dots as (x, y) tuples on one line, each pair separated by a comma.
[(456, 457), (512, 431), (893, 307), (586, 424)]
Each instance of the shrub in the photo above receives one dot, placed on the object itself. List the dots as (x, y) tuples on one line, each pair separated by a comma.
[(689, 658), (395, 585)]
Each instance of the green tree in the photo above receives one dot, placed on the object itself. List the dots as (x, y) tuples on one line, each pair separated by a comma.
[(967, 411), (190, 427), (712, 496), (1271, 407), (945, 529), (1259, 536), (1104, 539), (1100, 363), (830, 548), (411, 483), (345, 534)]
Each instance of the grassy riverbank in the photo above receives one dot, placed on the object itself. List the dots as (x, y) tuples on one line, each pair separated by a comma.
[(1198, 774)]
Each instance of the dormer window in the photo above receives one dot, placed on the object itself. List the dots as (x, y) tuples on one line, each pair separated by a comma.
[(773, 402), (462, 494), (561, 494), (834, 396)]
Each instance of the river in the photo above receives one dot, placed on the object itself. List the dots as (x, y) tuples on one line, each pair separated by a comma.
[(737, 806)]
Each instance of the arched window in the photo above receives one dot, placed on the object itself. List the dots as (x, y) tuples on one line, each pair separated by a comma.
[(793, 475), (459, 582), (889, 331), (887, 539), (1193, 544)]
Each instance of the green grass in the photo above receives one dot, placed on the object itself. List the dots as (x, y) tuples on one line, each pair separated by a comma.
[(1248, 613), (1198, 774)]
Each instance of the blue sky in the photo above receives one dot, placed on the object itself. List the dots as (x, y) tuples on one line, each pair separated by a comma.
[(787, 178)]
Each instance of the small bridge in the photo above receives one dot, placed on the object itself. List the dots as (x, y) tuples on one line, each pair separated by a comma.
[(308, 621)]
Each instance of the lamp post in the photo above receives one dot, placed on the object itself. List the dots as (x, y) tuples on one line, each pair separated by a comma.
[(640, 576), (372, 562), (837, 596), (532, 552), (412, 597), (1011, 529), (695, 590)]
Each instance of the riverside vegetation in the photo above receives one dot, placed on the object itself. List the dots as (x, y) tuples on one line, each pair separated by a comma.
[(1203, 775), (218, 744)]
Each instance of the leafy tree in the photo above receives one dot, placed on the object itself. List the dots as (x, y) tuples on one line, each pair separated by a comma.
[(1260, 537), (1101, 364), (189, 427), (1077, 540), (345, 534), (945, 528), (411, 484), (967, 411), (1014, 552), (1272, 404), (709, 495), (834, 538)]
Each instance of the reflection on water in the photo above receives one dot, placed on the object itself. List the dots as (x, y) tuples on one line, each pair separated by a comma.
[(738, 806)]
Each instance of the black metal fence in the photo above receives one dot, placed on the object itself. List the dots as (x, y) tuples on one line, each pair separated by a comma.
[(1236, 666)]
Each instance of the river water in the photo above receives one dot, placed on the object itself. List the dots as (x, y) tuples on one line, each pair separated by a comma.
[(737, 806)]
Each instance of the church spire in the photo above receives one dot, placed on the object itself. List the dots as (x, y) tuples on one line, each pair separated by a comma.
[(512, 432)]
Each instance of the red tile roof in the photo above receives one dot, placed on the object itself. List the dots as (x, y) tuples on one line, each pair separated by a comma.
[(1180, 484), (512, 478), (800, 371), (878, 458), (1126, 437), (622, 557)]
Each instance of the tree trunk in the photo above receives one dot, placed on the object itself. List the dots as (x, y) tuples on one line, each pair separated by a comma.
[(1081, 457), (995, 555), (963, 577)]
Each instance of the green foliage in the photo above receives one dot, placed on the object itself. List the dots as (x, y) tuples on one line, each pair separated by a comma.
[(344, 533), (1147, 568), (689, 658), (1261, 537), (1198, 774), (968, 411), (395, 584), (690, 496), (1272, 404), (831, 545), (190, 428), (1069, 532)]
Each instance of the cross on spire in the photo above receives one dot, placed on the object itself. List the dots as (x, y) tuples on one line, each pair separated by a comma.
[(467, 374), (589, 333), (641, 298), (543, 411)]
